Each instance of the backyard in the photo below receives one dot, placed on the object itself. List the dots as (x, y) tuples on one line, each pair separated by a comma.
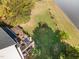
[(54, 35)]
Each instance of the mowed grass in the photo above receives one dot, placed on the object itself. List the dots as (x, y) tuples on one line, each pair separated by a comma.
[(42, 17), (45, 17)]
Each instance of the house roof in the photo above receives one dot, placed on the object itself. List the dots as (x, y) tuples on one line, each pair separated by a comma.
[(5, 39)]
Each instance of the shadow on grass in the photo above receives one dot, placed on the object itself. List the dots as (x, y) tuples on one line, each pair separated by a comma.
[(49, 46)]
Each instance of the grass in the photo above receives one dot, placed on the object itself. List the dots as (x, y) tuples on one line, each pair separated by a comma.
[(17, 22), (45, 17), (39, 16)]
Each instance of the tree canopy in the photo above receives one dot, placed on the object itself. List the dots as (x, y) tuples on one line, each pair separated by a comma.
[(49, 45), (16, 10)]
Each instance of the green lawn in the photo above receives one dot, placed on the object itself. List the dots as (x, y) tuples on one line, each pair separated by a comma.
[(45, 17)]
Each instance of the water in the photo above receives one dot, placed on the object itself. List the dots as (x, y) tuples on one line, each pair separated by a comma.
[(71, 8)]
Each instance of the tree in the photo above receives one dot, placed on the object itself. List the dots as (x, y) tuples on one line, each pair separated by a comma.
[(49, 45), (47, 42), (17, 10), (69, 52), (64, 35)]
